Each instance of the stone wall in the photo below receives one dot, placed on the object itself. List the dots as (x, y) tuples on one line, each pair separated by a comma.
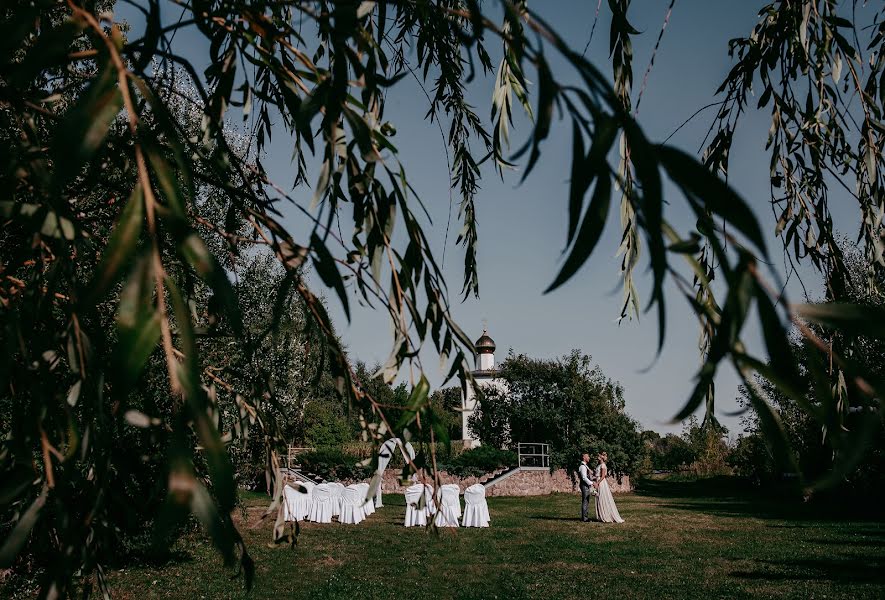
[(523, 483), (539, 483)]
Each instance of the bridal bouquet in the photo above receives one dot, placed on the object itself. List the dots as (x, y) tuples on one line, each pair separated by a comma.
[(593, 491)]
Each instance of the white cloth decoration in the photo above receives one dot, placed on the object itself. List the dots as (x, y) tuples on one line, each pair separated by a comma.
[(449, 506), (297, 500), (366, 502), (337, 491), (385, 453), (321, 504), (476, 509), (429, 504), (352, 512), (416, 515)]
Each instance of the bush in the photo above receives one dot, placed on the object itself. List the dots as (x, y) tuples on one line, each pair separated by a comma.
[(479, 461), (333, 464), (444, 452), (325, 424)]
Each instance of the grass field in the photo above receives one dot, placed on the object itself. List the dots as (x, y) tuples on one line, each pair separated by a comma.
[(679, 541)]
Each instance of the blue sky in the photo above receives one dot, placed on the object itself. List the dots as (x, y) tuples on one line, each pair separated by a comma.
[(522, 228)]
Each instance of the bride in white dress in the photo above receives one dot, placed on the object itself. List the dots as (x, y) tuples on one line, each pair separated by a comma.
[(606, 511)]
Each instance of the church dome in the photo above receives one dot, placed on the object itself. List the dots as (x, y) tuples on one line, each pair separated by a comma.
[(485, 344)]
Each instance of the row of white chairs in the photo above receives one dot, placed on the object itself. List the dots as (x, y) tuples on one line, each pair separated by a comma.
[(319, 502), (444, 507)]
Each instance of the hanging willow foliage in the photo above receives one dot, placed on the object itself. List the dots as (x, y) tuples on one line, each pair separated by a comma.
[(102, 251)]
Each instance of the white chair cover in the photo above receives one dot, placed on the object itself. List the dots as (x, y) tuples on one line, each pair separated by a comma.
[(321, 504), (476, 509), (298, 498), (352, 512), (367, 503), (429, 504), (415, 511), (449, 506), (337, 491)]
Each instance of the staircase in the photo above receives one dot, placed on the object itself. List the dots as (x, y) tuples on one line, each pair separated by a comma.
[(499, 476), (298, 475)]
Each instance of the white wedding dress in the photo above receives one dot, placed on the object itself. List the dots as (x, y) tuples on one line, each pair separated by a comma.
[(606, 511)]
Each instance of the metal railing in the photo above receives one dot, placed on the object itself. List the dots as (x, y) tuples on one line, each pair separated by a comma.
[(292, 455), (533, 455)]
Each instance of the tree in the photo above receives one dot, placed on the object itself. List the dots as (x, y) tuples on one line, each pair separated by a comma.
[(446, 403), (708, 447), (817, 451), (103, 183), (668, 453), (442, 415), (325, 424), (568, 403), (269, 353)]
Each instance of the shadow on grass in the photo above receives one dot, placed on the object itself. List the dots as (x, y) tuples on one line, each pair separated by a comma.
[(762, 509), (735, 497), (550, 518), (856, 569), (852, 541), (154, 558), (700, 488)]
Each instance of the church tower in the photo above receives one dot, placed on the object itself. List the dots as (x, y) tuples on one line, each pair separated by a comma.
[(485, 352), (485, 375)]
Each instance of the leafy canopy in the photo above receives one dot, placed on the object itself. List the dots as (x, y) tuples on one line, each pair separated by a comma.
[(103, 215)]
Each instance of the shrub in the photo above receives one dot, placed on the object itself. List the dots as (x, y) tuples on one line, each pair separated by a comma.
[(444, 452), (333, 464), (325, 425), (479, 461)]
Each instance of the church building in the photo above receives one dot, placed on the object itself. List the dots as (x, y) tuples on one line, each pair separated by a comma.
[(486, 375)]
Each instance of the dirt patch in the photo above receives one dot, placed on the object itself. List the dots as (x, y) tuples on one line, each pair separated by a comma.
[(328, 562)]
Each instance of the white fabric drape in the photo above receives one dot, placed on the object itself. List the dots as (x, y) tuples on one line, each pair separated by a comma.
[(298, 498), (416, 515), (337, 492), (606, 510), (429, 503), (385, 453), (352, 512), (321, 504), (366, 502), (476, 509), (449, 510)]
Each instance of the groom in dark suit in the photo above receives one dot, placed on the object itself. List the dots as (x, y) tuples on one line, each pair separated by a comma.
[(585, 481)]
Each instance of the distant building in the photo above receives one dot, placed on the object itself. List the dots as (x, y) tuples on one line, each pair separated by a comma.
[(485, 375)]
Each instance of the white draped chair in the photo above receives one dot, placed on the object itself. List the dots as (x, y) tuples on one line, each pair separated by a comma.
[(429, 504), (321, 504), (449, 510), (337, 490), (297, 498), (352, 512), (416, 515), (368, 503), (476, 509)]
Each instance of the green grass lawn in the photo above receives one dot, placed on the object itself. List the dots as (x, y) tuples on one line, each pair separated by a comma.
[(679, 541)]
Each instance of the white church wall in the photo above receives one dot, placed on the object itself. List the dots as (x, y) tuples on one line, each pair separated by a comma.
[(470, 403)]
